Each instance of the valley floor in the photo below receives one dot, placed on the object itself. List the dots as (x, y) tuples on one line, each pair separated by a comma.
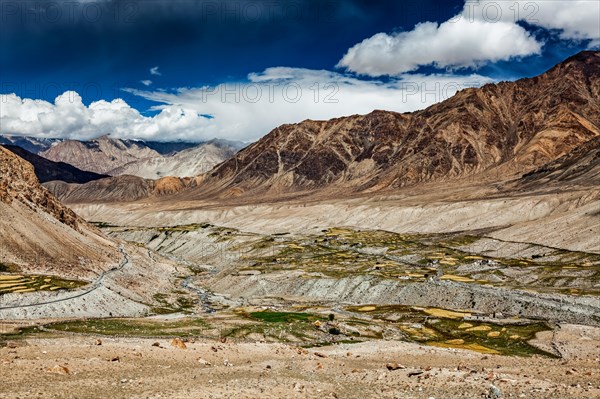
[(77, 367), (253, 291)]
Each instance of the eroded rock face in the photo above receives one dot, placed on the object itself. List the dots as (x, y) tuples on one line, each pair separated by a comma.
[(39, 235), (581, 166), (504, 129), (18, 182)]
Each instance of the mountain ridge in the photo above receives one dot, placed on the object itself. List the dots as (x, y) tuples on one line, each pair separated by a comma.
[(508, 128), (47, 170), (40, 233), (149, 160)]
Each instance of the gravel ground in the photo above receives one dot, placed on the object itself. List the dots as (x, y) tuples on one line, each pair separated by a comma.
[(76, 367)]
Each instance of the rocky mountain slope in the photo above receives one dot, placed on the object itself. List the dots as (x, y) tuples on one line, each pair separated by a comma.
[(124, 188), (581, 167), (149, 160), (493, 132), (47, 170), (100, 155), (189, 162), (39, 233)]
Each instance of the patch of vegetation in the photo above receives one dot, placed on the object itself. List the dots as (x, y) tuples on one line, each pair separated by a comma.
[(506, 340), (21, 334), (408, 258), (9, 268), (177, 302), (102, 225), (283, 317), (280, 327), (440, 327), (188, 327), (182, 228)]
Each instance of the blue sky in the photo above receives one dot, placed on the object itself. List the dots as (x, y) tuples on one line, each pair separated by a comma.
[(144, 63)]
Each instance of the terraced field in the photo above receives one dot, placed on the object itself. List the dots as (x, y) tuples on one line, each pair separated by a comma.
[(15, 283), (449, 329), (341, 253)]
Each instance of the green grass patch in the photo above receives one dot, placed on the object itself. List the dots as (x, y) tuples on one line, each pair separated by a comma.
[(9, 268), (134, 327), (284, 317), (102, 225)]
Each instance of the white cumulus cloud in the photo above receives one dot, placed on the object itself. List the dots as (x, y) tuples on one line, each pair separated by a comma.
[(69, 118), (146, 82), (154, 71), (485, 31), (243, 111), (248, 110)]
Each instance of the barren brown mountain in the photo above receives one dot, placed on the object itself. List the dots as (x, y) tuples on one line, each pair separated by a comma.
[(100, 155), (38, 232), (118, 189), (47, 170), (497, 130), (581, 166)]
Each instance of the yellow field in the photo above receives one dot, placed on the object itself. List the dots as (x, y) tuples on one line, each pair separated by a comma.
[(443, 313)]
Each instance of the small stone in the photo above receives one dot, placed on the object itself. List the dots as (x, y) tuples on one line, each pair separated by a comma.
[(124, 381), (298, 387), (157, 344), (98, 342), (394, 366), (59, 370), (178, 343), (495, 392), (319, 354)]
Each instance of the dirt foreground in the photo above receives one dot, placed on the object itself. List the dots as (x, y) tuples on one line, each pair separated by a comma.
[(82, 367)]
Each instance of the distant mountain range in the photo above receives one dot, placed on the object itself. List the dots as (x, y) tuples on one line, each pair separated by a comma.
[(31, 144), (117, 157), (109, 156), (189, 162)]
